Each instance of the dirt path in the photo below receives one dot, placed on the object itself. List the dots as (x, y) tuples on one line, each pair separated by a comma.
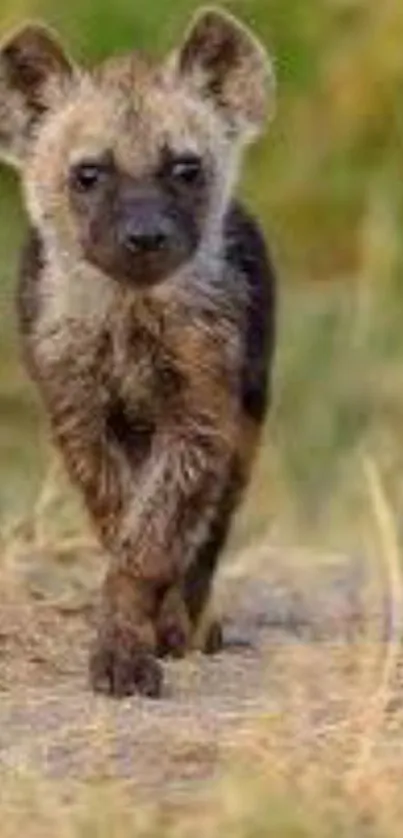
[(50, 720)]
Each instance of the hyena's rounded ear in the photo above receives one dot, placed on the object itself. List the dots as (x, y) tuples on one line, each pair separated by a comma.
[(224, 62), (33, 65)]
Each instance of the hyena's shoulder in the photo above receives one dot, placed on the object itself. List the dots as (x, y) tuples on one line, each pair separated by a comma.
[(248, 255)]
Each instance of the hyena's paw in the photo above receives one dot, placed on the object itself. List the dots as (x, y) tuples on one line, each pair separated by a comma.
[(173, 626), (213, 638), (121, 666)]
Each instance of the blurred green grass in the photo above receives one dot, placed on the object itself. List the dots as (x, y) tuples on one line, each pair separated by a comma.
[(326, 183)]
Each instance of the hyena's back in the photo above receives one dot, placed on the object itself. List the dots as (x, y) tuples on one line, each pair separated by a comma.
[(246, 251)]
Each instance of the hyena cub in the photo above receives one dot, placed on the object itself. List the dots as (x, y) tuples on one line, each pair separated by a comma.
[(146, 311)]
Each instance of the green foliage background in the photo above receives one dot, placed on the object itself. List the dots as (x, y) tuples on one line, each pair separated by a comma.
[(326, 182)]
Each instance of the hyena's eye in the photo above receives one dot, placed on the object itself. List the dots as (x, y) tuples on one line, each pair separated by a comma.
[(87, 175), (185, 169)]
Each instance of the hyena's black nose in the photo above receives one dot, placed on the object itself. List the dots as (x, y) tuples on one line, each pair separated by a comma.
[(145, 235), (145, 242)]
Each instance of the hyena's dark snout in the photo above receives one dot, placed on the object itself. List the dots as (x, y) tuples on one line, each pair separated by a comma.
[(152, 236), (144, 227)]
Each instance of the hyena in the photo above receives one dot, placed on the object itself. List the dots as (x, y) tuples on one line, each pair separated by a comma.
[(146, 310)]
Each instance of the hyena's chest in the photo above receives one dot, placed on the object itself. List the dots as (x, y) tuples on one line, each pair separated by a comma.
[(88, 345)]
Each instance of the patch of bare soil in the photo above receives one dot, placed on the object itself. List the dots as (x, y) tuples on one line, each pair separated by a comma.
[(50, 720)]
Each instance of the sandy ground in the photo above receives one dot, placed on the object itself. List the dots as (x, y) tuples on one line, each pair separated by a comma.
[(50, 720)]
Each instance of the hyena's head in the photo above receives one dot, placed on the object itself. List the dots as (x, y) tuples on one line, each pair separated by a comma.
[(130, 166)]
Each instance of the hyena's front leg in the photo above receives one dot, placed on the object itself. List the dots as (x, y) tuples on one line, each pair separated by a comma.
[(123, 659), (183, 620), (210, 429), (191, 601)]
